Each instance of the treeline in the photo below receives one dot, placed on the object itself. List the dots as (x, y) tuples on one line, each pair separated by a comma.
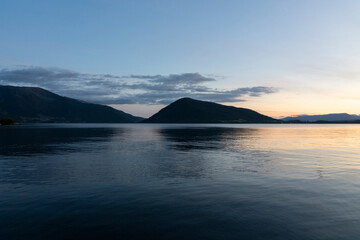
[(7, 121)]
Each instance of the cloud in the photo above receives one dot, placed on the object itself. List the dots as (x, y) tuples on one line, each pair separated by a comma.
[(133, 89)]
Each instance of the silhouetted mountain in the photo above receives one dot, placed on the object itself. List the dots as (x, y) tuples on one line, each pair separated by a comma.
[(335, 117), (187, 110), (31, 104)]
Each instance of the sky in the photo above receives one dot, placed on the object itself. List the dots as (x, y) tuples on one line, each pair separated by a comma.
[(280, 58)]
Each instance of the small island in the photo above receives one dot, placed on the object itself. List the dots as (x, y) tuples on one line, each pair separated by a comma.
[(7, 121)]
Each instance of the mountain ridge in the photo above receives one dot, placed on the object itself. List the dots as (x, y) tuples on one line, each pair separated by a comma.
[(34, 104), (331, 117), (188, 110)]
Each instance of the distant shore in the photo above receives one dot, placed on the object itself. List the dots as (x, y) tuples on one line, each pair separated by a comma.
[(7, 121)]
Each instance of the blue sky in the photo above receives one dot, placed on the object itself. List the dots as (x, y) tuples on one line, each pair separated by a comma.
[(305, 53)]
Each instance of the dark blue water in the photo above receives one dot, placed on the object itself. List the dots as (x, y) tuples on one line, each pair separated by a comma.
[(180, 182)]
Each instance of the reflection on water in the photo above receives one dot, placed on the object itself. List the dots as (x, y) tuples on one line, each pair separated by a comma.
[(137, 181), (205, 137), (28, 141)]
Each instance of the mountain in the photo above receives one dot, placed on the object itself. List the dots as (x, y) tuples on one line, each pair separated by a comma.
[(187, 110), (32, 104), (334, 117)]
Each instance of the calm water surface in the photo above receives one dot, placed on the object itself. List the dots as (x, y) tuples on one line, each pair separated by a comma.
[(112, 181)]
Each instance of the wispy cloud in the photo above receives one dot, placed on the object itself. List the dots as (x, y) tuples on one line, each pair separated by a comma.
[(133, 89)]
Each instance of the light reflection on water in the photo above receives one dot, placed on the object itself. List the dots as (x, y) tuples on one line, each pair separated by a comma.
[(205, 181)]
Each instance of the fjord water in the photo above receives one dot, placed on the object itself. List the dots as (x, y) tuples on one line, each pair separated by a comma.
[(138, 181)]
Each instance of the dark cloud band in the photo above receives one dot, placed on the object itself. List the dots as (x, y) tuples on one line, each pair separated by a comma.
[(133, 89)]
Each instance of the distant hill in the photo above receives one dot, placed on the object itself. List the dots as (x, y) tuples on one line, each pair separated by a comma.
[(334, 117), (32, 104), (187, 110)]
